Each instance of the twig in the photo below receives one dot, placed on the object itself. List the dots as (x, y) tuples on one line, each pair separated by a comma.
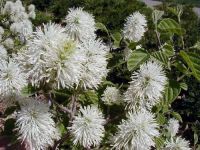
[(158, 37), (59, 142)]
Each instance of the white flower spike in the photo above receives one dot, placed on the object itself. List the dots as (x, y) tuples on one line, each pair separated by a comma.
[(135, 27), (87, 127), (35, 125)]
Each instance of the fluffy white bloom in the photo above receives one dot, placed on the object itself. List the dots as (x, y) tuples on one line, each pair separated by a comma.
[(87, 127), (146, 86), (135, 27), (173, 127), (9, 43), (23, 28), (52, 58), (32, 14), (137, 132), (31, 8), (3, 53), (80, 24), (19, 19), (15, 10), (111, 96), (8, 7), (94, 64), (1, 30), (177, 144), (12, 79), (35, 125)]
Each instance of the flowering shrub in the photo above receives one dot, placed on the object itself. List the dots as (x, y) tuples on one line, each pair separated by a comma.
[(56, 82)]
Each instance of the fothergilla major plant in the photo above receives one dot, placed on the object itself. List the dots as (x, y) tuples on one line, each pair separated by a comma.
[(58, 87)]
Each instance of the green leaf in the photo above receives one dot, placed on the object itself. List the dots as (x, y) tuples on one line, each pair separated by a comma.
[(161, 56), (195, 138), (89, 97), (159, 142), (170, 25), (172, 91), (173, 10), (62, 128), (27, 91), (161, 119), (101, 26), (136, 58), (193, 61), (117, 38), (182, 68), (168, 50), (184, 86), (197, 45), (177, 116)]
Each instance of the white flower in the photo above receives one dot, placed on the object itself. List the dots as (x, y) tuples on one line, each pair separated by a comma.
[(23, 28), (12, 79), (31, 8), (146, 87), (19, 19), (32, 14), (8, 7), (94, 64), (35, 125), (173, 127), (111, 96), (177, 144), (9, 43), (137, 132), (87, 127), (3, 53), (52, 58), (80, 24), (1, 30), (15, 10), (135, 27)]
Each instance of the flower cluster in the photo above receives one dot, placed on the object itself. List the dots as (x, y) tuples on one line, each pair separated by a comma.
[(54, 58), (137, 132), (135, 27), (111, 96), (146, 87), (80, 24), (87, 127), (19, 19), (35, 125), (175, 142)]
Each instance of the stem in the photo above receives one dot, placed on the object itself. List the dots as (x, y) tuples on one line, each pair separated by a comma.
[(73, 106), (72, 112), (182, 40), (62, 108), (181, 77), (59, 142), (157, 35)]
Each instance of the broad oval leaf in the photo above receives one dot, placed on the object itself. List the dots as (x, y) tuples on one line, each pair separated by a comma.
[(101, 26), (193, 61), (168, 50), (172, 91), (170, 25), (136, 58), (160, 56), (177, 116)]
